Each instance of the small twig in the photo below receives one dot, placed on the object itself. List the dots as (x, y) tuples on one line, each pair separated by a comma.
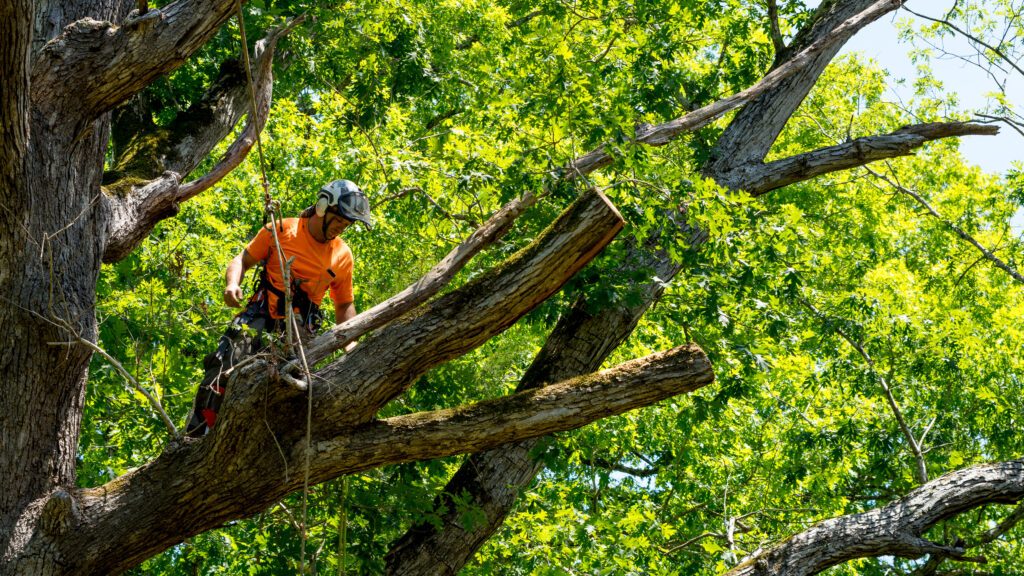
[(127, 375), (959, 231), (952, 26), (921, 473)]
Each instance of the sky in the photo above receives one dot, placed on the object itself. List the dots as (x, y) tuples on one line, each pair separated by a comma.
[(880, 41)]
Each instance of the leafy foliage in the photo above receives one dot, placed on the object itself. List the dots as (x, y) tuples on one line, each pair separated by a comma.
[(443, 111)]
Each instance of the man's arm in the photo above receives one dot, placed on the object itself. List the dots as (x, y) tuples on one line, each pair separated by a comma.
[(343, 312), (236, 269)]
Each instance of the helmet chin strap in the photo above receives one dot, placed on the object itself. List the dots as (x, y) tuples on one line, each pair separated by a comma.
[(323, 226)]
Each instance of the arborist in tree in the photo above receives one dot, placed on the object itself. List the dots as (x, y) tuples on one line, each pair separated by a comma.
[(321, 261)]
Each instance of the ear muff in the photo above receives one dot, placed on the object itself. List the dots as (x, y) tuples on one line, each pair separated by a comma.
[(321, 206)]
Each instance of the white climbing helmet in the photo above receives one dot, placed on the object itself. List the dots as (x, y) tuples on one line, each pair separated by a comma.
[(347, 200)]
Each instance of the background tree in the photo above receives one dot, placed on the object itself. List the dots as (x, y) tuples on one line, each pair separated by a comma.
[(824, 370)]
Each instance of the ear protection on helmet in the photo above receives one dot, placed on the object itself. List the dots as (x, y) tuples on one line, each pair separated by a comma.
[(347, 198)]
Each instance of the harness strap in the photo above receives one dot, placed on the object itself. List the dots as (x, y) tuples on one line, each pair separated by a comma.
[(312, 316)]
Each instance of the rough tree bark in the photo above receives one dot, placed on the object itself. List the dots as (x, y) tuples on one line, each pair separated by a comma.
[(66, 67), (492, 481)]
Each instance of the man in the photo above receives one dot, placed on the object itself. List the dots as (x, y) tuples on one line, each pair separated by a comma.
[(320, 260)]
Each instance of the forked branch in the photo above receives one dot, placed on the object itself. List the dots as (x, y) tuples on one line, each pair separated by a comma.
[(138, 208)]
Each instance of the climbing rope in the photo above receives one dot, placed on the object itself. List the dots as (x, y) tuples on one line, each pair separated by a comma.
[(270, 208)]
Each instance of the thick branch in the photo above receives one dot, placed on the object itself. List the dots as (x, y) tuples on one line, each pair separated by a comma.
[(239, 464), (757, 177), (93, 66), (563, 406), (664, 133), (138, 205), (755, 128), (895, 529)]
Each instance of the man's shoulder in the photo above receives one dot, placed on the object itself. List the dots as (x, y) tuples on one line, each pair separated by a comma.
[(339, 246), (286, 227)]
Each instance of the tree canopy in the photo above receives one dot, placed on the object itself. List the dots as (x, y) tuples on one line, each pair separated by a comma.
[(852, 279)]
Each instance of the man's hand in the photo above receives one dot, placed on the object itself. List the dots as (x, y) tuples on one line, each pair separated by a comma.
[(233, 296), (233, 277)]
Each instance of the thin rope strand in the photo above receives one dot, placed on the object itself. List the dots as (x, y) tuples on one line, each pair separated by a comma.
[(290, 326)]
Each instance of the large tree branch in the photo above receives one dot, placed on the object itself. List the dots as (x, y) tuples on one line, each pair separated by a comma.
[(92, 66), (756, 177), (564, 406), (755, 128), (897, 528), (176, 510), (137, 205), (240, 465), (580, 342)]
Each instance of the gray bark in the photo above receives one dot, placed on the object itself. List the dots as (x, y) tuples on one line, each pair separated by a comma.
[(581, 341), (895, 529), (89, 56)]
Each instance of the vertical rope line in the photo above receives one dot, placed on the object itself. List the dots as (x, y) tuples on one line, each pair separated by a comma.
[(290, 326), (309, 428)]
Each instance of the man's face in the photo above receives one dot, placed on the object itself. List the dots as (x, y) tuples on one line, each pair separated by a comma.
[(336, 224)]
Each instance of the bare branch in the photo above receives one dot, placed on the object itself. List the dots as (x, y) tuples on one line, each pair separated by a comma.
[(465, 318), (985, 252), (895, 529), (921, 472), (758, 178), (1009, 121), (153, 401)]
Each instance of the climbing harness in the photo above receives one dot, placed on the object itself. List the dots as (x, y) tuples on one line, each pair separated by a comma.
[(311, 314)]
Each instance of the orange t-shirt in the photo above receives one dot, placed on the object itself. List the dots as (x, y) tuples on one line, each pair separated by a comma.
[(314, 262)]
